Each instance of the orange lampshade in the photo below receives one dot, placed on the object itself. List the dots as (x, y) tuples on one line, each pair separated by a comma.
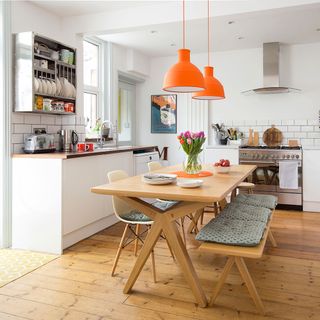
[(183, 76), (214, 89)]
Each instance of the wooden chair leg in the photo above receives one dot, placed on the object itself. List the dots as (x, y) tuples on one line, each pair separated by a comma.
[(222, 279), (272, 239), (170, 249), (183, 231), (136, 242), (194, 221), (249, 283), (119, 250)]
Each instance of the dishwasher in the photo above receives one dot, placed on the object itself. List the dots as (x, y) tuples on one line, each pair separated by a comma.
[(141, 161)]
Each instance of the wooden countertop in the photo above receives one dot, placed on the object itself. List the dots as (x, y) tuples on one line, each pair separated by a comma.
[(71, 155)]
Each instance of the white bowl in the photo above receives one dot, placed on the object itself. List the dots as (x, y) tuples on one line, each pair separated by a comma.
[(221, 169), (189, 183)]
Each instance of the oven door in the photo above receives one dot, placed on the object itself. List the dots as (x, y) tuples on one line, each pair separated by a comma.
[(265, 177)]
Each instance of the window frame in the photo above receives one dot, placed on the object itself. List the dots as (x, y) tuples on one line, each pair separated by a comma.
[(99, 89)]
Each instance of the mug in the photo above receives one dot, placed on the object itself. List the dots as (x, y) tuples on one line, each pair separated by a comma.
[(82, 147), (44, 64), (89, 146)]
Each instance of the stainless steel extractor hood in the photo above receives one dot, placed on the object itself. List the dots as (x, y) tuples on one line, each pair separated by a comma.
[(271, 71)]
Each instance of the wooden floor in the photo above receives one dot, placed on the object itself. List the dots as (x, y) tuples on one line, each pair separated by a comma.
[(78, 285)]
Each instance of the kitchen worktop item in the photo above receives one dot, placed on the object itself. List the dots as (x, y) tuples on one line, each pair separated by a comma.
[(39, 143), (272, 137)]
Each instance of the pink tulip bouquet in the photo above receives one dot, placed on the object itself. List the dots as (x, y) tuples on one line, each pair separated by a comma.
[(192, 143)]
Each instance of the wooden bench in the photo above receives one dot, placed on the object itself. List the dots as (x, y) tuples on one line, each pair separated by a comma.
[(236, 255)]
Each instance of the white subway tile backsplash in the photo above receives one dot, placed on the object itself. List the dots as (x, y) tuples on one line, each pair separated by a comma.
[(238, 122), (314, 135), (22, 128), (18, 148), (301, 122), (307, 128), (282, 128), (250, 122), (46, 119), (227, 123), (32, 119), (58, 120), (80, 129), (262, 122), (300, 134), (68, 120), (274, 122), (313, 122), (287, 122), (53, 129), (17, 117), (17, 138), (293, 128), (307, 142)]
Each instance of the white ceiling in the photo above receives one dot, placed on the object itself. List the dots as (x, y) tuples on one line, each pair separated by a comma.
[(290, 26), (76, 8)]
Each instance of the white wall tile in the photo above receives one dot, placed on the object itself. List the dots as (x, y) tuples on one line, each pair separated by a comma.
[(46, 119), (68, 120), (262, 122), (17, 138), (17, 117), (80, 129), (307, 128), (282, 128), (287, 122), (238, 122), (313, 122), (300, 135), (58, 120), (53, 129), (301, 122), (21, 128), (32, 119), (316, 141), (17, 148), (315, 135), (307, 142), (250, 122), (274, 122), (293, 128)]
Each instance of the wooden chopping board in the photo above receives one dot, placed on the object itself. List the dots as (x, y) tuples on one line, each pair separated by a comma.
[(272, 137)]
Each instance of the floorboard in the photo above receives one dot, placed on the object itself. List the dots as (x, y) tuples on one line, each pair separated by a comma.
[(78, 285)]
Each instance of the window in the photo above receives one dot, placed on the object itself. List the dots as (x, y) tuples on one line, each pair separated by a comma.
[(92, 80)]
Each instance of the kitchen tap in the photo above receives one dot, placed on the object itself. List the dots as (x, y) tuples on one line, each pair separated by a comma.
[(105, 132)]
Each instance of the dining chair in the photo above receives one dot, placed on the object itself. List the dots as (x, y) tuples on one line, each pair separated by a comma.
[(247, 187), (133, 219)]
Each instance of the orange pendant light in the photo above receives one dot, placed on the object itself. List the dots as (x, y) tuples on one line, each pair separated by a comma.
[(214, 89), (183, 76)]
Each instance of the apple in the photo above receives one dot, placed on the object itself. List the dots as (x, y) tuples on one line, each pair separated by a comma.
[(222, 163)]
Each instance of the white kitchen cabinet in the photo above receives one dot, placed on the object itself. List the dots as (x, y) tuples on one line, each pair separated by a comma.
[(311, 179), (215, 153), (53, 206)]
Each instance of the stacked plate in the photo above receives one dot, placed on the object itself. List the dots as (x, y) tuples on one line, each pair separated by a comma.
[(60, 87), (189, 183), (159, 178)]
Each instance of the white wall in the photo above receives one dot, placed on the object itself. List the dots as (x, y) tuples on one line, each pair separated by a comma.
[(238, 71)]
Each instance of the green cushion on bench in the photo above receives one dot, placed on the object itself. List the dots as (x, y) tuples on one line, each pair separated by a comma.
[(237, 210), (232, 232), (164, 204), (257, 200)]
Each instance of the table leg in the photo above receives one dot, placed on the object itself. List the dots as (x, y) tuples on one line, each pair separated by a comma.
[(194, 221), (174, 238), (148, 246)]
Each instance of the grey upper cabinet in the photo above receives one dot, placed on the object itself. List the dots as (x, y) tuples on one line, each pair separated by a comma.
[(45, 75)]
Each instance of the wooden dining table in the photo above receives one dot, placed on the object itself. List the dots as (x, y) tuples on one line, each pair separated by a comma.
[(214, 188)]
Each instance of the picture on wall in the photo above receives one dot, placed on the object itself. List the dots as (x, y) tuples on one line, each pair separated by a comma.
[(164, 113)]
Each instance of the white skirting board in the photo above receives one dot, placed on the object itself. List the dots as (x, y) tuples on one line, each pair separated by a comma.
[(85, 232), (312, 206)]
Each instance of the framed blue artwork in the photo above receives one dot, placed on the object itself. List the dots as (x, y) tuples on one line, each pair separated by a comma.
[(164, 113)]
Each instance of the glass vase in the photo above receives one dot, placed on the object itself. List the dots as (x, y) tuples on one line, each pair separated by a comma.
[(192, 164)]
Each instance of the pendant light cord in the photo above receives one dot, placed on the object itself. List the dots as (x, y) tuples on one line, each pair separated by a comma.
[(184, 23), (208, 32)]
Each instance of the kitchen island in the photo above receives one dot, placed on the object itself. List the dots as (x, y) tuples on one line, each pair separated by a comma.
[(52, 206)]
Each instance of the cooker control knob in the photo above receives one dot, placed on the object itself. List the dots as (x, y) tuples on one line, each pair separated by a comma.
[(284, 156), (288, 156), (297, 156), (292, 156)]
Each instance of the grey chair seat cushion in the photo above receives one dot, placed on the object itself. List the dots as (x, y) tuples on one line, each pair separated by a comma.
[(164, 204), (135, 216), (258, 200), (237, 210), (232, 232)]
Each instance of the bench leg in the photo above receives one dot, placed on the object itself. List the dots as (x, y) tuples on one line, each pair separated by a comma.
[(222, 279), (249, 283), (272, 239)]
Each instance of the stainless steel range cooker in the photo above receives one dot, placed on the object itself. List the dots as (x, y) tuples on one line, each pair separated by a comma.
[(266, 176)]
